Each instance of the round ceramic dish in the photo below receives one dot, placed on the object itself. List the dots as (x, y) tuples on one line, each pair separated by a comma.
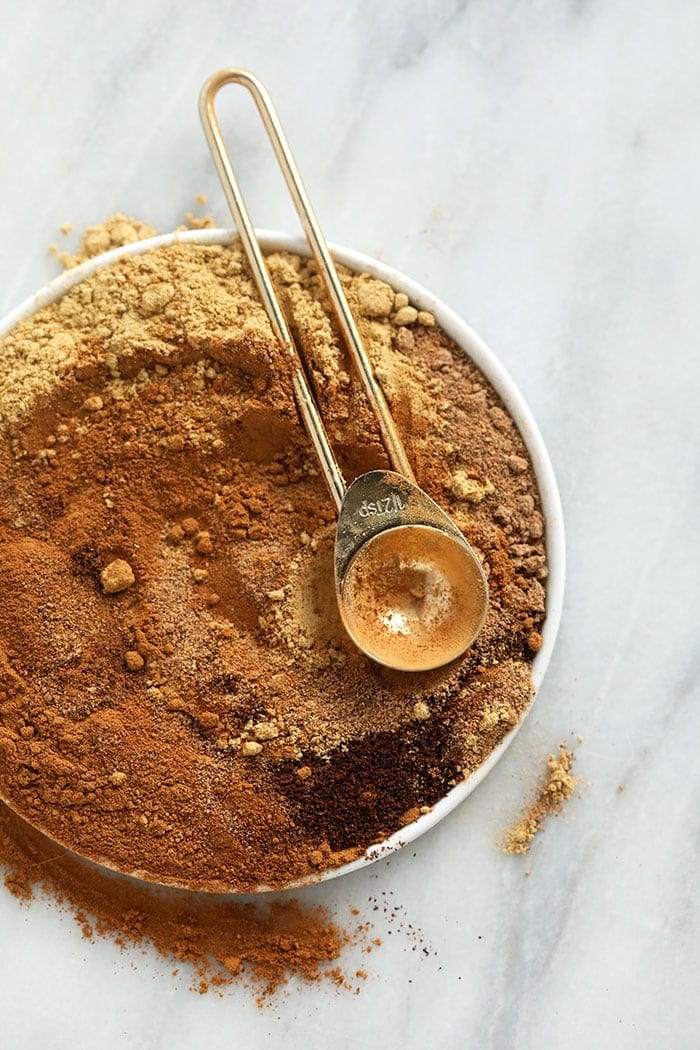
[(496, 374)]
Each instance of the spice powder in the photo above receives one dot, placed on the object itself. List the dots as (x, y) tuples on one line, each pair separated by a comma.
[(221, 940), (178, 697), (558, 786)]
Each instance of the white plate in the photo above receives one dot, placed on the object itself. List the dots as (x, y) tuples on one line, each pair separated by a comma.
[(478, 351)]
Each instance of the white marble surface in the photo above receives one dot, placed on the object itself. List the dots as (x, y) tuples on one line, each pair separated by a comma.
[(536, 165)]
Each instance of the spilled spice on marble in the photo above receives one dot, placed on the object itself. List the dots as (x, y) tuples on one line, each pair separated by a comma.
[(558, 786), (219, 941)]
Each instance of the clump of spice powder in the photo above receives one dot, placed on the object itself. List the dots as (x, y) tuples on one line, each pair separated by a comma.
[(556, 788), (178, 698)]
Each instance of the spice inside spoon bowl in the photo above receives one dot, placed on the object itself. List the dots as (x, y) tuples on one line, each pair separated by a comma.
[(411, 591)]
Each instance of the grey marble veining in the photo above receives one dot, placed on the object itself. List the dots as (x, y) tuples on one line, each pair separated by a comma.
[(536, 165)]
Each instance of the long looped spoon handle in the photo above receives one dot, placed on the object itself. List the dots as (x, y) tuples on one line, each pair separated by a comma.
[(305, 399)]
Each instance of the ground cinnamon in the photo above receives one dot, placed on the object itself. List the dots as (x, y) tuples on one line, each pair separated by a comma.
[(222, 941), (202, 718)]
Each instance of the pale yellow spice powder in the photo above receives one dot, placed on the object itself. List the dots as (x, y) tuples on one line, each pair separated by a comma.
[(114, 232), (554, 792)]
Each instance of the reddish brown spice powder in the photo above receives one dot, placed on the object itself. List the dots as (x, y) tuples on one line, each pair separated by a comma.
[(258, 945)]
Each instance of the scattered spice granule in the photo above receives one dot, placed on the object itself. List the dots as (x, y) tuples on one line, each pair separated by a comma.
[(200, 198), (193, 222), (66, 227), (133, 660), (117, 576), (556, 789)]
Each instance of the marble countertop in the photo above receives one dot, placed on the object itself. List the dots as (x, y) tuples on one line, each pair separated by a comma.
[(536, 165)]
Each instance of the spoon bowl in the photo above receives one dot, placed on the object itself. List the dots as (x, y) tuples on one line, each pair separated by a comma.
[(411, 591)]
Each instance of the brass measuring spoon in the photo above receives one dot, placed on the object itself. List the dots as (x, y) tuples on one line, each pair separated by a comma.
[(411, 591)]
